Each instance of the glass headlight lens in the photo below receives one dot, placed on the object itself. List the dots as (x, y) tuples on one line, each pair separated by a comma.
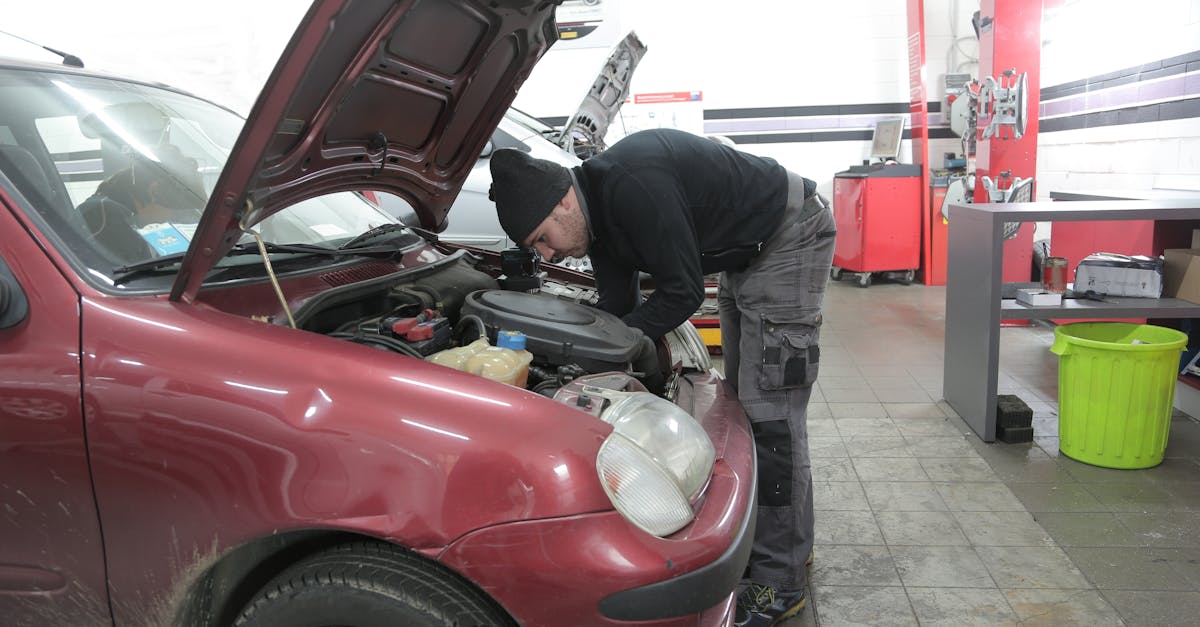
[(640, 489), (691, 344), (656, 461)]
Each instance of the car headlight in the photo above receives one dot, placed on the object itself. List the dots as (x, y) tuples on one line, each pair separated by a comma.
[(685, 342), (655, 463)]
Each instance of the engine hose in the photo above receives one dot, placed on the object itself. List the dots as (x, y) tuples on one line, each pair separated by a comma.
[(646, 361), (546, 388), (462, 323), (539, 374), (376, 340)]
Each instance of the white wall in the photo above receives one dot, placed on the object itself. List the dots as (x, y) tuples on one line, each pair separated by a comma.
[(950, 48), (1089, 38), (757, 53), (752, 54), (218, 49)]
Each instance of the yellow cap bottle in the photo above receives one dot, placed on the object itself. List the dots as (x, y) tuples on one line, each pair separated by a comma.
[(457, 357), (508, 362)]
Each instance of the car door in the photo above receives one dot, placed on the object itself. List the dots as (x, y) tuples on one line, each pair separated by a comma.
[(51, 557)]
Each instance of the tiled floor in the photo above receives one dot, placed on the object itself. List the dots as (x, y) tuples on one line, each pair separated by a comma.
[(920, 522)]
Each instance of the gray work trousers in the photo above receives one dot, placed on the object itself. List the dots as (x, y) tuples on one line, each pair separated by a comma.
[(770, 327)]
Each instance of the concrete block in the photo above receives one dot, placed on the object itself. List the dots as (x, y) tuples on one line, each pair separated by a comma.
[(1011, 411), (1014, 435)]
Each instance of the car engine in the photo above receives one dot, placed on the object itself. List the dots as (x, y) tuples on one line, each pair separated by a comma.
[(451, 303)]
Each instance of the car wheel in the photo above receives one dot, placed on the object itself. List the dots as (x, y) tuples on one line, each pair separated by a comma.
[(864, 279), (368, 585), (835, 273)]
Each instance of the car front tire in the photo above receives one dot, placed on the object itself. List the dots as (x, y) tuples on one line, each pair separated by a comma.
[(364, 584)]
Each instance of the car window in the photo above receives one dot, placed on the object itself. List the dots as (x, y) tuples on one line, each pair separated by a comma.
[(530, 122), (120, 172), (76, 157)]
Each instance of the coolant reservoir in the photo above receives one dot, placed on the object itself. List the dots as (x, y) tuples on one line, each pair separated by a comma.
[(507, 362), (457, 357)]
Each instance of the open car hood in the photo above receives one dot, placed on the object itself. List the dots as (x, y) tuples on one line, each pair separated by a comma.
[(398, 97), (584, 132)]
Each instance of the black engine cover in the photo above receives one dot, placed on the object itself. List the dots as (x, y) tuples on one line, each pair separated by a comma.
[(558, 331)]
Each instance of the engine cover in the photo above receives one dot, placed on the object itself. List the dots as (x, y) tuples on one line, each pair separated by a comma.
[(557, 331)]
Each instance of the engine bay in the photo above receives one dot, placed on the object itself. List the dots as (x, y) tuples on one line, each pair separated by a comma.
[(450, 304)]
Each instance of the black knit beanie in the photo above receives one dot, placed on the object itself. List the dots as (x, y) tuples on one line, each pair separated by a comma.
[(525, 190)]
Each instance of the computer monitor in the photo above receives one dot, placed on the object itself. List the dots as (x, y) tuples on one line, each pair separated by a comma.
[(885, 142)]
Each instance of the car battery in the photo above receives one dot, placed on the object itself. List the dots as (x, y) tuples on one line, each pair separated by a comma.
[(1111, 274), (427, 332)]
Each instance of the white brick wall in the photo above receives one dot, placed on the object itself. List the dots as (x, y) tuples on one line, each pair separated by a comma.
[(1088, 38), (756, 53)]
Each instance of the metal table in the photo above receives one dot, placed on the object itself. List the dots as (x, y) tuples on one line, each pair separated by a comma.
[(974, 303)]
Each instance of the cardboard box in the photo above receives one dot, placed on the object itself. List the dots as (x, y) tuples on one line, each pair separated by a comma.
[(1181, 274), (1112, 274)]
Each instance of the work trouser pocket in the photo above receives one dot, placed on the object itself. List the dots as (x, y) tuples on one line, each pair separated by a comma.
[(791, 355)]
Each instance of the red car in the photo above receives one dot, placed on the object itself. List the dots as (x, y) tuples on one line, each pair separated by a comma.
[(216, 400)]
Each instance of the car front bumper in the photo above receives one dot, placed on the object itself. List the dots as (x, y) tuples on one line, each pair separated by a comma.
[(689, 593), (599, 569)]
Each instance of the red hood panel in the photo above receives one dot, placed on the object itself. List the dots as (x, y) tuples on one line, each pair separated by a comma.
[(390, 96)]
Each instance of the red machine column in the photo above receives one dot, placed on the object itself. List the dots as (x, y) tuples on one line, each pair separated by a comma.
[(1010, 38), (919, 115)]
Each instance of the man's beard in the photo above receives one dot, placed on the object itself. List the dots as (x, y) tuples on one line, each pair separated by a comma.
[(577, 228)]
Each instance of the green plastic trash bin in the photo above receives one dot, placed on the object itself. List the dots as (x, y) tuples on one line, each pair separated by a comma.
[(1116, 385)]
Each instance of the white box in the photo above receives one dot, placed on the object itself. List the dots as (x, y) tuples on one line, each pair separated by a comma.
[(1038, 298), (1111, 274)]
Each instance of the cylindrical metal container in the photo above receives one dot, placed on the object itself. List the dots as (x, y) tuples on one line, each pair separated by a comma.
[(1054, 275)]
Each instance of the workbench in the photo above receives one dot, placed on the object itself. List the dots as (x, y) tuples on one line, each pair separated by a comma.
[(1076, 240), (974, 292)]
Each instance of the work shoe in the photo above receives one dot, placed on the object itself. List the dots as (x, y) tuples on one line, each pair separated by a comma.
[(764, 606)]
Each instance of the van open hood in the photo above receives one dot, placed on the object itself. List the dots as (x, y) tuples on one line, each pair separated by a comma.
[(398, 97)]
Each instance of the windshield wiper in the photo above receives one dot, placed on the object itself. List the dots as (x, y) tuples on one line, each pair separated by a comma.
[(126, 273), (370, 234)]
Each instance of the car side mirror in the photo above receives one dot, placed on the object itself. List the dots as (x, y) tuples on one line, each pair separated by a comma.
[(487, 149), (14, 306)]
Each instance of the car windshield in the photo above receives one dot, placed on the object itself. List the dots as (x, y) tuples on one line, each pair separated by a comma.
[(531, 123), (120, 172)]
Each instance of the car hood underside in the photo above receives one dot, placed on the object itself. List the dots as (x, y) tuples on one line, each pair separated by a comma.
[(397, 97)]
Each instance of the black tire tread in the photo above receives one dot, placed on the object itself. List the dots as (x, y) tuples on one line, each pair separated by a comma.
[(386, 570)]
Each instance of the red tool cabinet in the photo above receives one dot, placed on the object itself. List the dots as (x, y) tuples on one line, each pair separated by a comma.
[(878, 213)]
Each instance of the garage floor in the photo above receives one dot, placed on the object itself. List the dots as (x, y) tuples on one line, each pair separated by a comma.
[(920, 522)]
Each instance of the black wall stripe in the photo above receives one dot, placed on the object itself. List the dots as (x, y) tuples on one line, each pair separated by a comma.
[(829, 136), (1155, 69), (1177, 110), (74, 177), (780, 112), (936, 132), (1182, 109), (783, 112), (80, 155)]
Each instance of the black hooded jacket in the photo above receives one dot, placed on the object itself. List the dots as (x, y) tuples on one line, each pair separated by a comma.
[(676, 206)]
